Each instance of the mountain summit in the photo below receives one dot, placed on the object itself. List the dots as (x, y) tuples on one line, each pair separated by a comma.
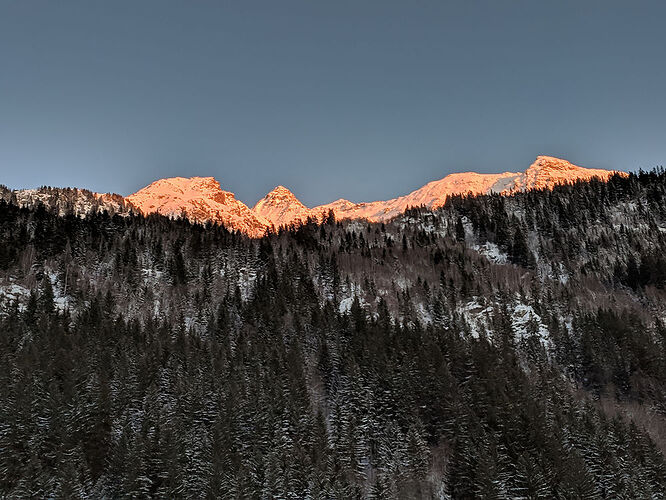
[(548, 171), (281, 207), (201, 199)]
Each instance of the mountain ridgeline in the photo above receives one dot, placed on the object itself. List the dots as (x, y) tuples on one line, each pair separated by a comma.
[(201, 199), (510, 344)]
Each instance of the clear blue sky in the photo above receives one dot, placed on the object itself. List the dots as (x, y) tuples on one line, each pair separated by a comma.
[(358, 99)]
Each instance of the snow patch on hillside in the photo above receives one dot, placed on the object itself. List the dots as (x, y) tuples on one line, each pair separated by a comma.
[(14, 292), (492, 252), (525, 322)]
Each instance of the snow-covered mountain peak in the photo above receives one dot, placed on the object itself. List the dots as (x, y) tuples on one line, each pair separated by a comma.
[(200, 199), (552, 163), (182, 186), (281, 207), (547, 159), (548, 171), (281, 194)]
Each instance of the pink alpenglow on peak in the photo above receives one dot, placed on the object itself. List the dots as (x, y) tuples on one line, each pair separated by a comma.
[(548, 171), (545, 172), (280, 207), (201, 199)]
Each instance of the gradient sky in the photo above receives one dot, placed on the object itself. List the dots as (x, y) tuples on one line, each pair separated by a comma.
[(358, 99)]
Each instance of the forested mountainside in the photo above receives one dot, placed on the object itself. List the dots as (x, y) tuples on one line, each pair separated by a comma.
[(497, 347)]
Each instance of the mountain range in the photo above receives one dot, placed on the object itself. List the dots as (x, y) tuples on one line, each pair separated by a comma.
[(202, 199)]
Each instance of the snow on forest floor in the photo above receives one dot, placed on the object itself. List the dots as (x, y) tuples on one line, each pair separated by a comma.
[(347, 301), (524, 320), (14, 292), (492, 252)]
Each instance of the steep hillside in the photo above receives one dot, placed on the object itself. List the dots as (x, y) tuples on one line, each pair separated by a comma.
[(496, 346)]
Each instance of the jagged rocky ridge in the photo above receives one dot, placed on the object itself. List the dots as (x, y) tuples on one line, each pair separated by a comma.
[(63, 201), (201, 199)]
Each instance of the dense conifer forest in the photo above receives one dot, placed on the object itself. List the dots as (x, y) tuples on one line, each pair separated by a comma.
[(499, 347)]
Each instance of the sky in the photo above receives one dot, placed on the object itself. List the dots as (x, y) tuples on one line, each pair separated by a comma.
[(358, 99)]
